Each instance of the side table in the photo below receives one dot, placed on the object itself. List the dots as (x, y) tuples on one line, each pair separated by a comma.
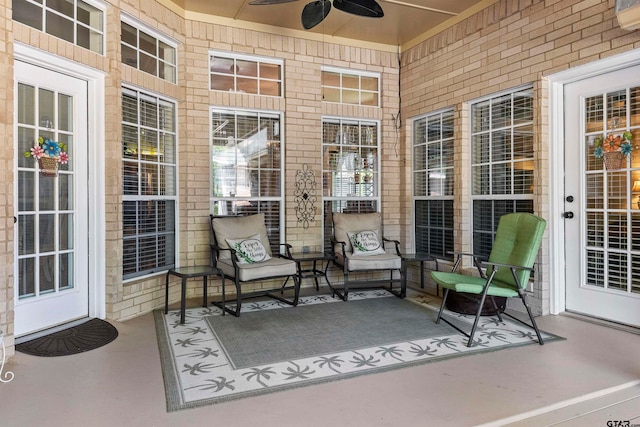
[(185, 273), (419, 257), (313, 272)]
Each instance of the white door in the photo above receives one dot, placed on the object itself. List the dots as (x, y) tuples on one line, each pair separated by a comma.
[(52, 216), (603, 237)]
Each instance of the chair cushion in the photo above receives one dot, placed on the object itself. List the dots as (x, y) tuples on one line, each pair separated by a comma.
[(239, 227), (472, 284), (249, 250), (273, 267), (383, 261), (353, 223), (517, 241), (365, 243)]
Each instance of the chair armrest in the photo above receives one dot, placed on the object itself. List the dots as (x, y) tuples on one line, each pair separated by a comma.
[(287, 248), (217, 249), (396, 242), (477, 260), (335, 242), (511, 266)]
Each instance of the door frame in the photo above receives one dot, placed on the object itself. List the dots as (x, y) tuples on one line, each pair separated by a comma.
[(96, 186), (555, 86)]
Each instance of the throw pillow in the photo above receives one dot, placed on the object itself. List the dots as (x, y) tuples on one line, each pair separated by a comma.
[(249, 249), (366, 243)]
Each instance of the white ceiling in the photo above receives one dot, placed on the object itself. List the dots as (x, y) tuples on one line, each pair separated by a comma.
[(404, 21)]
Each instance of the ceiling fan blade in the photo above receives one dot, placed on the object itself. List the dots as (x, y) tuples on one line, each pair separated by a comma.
[(268, 2), (369, 8), (314, 12)]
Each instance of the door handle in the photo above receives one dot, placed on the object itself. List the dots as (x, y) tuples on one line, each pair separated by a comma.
[(567, 215)]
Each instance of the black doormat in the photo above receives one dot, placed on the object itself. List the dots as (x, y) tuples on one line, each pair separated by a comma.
[(76, 339)]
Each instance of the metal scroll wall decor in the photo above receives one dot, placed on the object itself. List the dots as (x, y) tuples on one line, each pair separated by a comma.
[(7, 376), (305, 196)]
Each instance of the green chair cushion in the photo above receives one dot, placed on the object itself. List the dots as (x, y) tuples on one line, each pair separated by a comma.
[(472, 284)]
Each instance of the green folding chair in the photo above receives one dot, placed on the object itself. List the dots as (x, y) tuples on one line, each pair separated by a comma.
[(508, 269)]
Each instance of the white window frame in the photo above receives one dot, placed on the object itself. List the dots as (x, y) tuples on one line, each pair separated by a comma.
[(251, 58), (160, 197), (101, 6), (377, 171), (351, 73), (160, 37), (508, 197), (233, 199), (425, 196)]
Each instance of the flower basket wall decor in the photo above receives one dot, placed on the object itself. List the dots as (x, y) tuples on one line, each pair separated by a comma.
[(48, 166), (614, 150), (613, 160), (49, 154)]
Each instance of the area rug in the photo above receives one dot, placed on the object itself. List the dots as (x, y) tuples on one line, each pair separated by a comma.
[(87, 336), (213, 358)]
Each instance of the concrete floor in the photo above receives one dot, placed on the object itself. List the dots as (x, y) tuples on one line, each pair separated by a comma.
[(590, 378)]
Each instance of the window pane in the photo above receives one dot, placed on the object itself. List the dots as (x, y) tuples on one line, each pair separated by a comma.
[(59, 26), (350, 88), (148, 174), (63, 6), (350, 167), (129, 34), (89, 15), (245, 75), (27, 13), (245, 166), (270, 71), (502, 162)]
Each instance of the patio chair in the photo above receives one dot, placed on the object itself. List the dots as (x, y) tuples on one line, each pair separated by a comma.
[(241, 249), (509, 266), (357, 247)]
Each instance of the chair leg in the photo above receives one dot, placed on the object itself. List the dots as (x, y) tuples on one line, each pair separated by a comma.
[(296, 295), (479, 312), (238, 297), (495, 307), (345, 290), (533, 322), (444, 300)]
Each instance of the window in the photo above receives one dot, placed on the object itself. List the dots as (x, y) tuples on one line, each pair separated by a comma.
[(75, 21), (350, 168), (433, 183), (149, 183), (147, 51), (502, 162), (350, 87), (246, 167), (245, 74)]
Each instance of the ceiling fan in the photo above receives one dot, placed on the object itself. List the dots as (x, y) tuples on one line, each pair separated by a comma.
[(314, 12)]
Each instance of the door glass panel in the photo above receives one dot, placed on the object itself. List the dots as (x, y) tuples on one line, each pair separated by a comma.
[(610, 194), (26, 237), (45, 203), (46, 199), (65, 116), (26, 140), (46, 232), (66, 270), (47, 110), (65, 199), (47, 273), (66, 232), (27, 277), (26, 94)]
